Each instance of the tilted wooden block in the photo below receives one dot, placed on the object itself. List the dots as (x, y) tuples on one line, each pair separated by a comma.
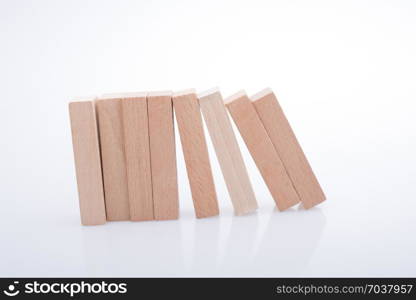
[(110, 125), (228, 152), (87, 162), (137, 154), (288, 147), (163, 156), (262, 150), (195, 152)]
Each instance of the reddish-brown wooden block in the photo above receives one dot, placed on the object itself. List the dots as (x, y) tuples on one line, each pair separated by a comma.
[(288, 148), (195, 153), (87, 162), (163, 155), (262, 150), (110, 125), (227, 151)]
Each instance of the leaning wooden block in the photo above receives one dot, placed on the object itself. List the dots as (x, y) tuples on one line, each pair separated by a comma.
[(110, 125), (87, 162), (137, 154), (163, 156), (286, 144), (195, 153), (228, 152), (262, 150)]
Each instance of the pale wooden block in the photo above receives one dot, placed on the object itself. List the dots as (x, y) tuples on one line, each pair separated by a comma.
[(288, 147), (137, 155), (228, 152), (110, 125), (262, 150), (87, 162), (195, 153), (163, 156)]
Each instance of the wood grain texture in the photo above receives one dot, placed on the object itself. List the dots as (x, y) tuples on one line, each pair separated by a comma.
[(113, 159), (87, 162), (137, 155), (288, 148), (195, 153), (163, 156), (228, 152), (262, 150)]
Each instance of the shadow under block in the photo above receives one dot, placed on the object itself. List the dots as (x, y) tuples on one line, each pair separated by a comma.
[(288, 148), (195, 153), (262, 150), (87, 162), (113, 159), (228, 152), (163, 156), (137, 155)]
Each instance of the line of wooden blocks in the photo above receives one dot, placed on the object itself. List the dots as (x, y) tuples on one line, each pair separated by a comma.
[(125, 157)]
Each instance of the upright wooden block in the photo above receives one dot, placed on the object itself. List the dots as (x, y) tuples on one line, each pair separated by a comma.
[(288, 147), (228, 152), (163, 156), (195, 152), (262, 150), (137, 154), (87, 162), (110, 125)]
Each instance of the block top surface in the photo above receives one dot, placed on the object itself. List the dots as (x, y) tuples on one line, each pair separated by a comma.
[(123, 95), (261, 94), (159, 93), (207, 93), (184, 92), (235, 96)]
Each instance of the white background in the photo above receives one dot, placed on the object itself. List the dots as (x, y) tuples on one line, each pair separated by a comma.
[(345, 74)]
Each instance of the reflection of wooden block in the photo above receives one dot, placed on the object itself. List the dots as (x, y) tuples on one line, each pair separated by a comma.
[(228, 152), (195, 153), (163, 156), (137, 154), (113, 158), (262, 150), (286, 144), (87, 162)]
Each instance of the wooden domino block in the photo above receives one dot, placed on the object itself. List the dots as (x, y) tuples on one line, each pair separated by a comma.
[(87, 162), (262, 150), (137, 155), (228, 152), (288, 148), (163, 156), (110, 125), (195, 153)]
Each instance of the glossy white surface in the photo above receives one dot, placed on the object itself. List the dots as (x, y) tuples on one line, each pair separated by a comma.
[(343, 71)]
